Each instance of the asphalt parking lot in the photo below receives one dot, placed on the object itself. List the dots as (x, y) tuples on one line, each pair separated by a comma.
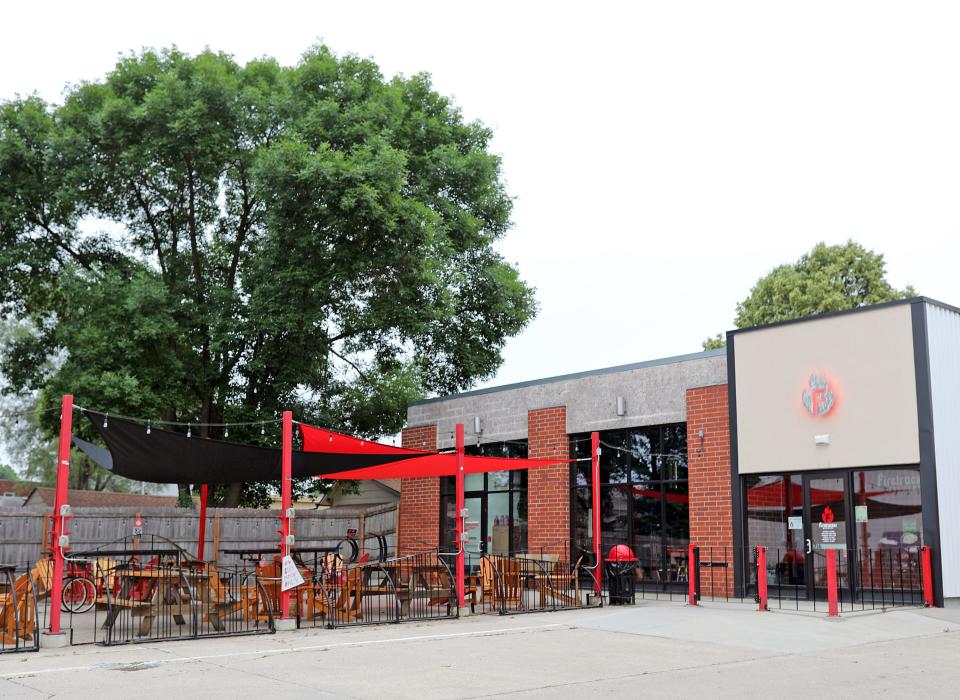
[(648, 650)]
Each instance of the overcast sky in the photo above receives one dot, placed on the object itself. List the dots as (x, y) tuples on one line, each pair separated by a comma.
[(663, 156)]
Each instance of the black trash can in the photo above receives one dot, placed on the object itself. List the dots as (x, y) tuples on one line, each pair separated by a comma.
[(620, 568)]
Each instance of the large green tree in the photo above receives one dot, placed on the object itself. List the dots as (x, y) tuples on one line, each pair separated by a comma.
[(194, 239), (828, 278)]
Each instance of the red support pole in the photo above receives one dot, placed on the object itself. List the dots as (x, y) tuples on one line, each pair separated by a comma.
[(691, 576), (762, 578), (595, 491), (286, 477), (461, 573), (832, 608), (59, 519), (926, 571), (203, 521)]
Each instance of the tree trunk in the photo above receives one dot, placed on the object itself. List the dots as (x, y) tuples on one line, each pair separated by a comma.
[(184, 499), (231, 498)]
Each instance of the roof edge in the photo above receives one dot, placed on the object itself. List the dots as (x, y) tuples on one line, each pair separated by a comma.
[(845, 312), (702, 355)]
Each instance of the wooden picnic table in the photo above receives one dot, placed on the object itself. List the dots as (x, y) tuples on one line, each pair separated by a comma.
[(150, 593), (410, 580), (144, 592)]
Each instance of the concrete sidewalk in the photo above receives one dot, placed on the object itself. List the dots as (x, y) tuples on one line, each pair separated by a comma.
[(654, 650)]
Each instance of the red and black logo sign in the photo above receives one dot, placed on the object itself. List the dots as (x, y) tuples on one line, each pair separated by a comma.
[(827, 515)]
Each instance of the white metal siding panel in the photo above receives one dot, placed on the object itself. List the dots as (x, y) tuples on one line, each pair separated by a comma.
[(943, 331)]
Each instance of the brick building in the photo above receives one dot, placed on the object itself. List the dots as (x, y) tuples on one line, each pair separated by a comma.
[(803, 436)]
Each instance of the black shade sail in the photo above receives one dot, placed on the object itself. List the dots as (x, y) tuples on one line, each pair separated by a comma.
[(166, 457)]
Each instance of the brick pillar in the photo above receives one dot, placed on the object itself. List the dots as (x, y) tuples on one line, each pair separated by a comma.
[(418, 527), (711, 507), (548, 489)]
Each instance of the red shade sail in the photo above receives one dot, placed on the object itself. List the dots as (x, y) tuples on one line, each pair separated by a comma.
[(404, 463)]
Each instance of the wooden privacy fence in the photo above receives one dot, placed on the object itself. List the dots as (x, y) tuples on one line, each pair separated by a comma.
[(24, 532)]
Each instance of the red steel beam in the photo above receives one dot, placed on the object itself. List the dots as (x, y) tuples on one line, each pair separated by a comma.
[(286, 477), (460, 506), (201, 536), (60, 500), (595, 491)]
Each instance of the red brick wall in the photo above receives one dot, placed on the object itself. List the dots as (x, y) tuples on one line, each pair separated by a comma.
[(548, 489), (711, 508), (419, 517)]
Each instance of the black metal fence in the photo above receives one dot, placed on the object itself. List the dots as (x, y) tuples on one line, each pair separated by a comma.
[(865, 579), (155, 602), (537, 582), (657, 578), (402, 589)]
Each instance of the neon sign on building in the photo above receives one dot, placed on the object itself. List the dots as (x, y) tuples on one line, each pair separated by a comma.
[(819, 398)]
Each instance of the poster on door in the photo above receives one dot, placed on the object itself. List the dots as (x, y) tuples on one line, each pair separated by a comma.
[(828, 531)]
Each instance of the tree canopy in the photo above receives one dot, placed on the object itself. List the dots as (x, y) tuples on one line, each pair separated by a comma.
[(828, 278), (194, 239)]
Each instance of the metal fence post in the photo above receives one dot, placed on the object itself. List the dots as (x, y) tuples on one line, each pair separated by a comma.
[(692, 571), (926, 574), (761, 578), (832, 608)]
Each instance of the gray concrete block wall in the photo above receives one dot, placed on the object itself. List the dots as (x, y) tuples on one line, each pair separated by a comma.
[(655, 393)]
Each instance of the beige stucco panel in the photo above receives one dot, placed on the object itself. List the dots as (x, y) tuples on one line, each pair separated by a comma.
[(867, 358)]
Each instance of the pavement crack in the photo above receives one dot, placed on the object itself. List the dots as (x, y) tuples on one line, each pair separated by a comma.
[(629, 676)]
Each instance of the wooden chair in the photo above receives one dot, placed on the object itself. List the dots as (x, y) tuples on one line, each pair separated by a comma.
[(563, 584), (488, 580), (216, 600), (18, 621), (509, 586), (42, 574)]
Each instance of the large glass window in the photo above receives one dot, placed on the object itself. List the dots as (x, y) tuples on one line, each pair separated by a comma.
[(644, 501), (887, 509), (497, 502)]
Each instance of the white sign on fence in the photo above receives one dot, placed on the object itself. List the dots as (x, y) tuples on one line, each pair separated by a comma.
[(290, 576)]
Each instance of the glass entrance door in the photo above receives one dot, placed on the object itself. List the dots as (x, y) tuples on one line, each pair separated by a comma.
[(473, 547), (828, 526)]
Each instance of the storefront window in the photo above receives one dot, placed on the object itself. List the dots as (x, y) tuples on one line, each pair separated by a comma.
[(774, 506), (644, 499), (887, 509), (497, 502)]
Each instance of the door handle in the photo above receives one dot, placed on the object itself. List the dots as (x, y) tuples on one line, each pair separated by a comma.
[(809, 546)]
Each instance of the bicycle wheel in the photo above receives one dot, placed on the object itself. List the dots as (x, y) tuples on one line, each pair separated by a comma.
[(89, 595), (75, 595)]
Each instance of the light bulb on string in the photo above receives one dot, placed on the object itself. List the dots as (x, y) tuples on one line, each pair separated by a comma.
[(104, 420), (226, 431), (148, 427), (263, 429), (189, 430)]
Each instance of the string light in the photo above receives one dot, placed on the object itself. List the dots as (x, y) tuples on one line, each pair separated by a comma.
[(105, 420), (148, 427), (226, 431), (189, 431), (263, 430)]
